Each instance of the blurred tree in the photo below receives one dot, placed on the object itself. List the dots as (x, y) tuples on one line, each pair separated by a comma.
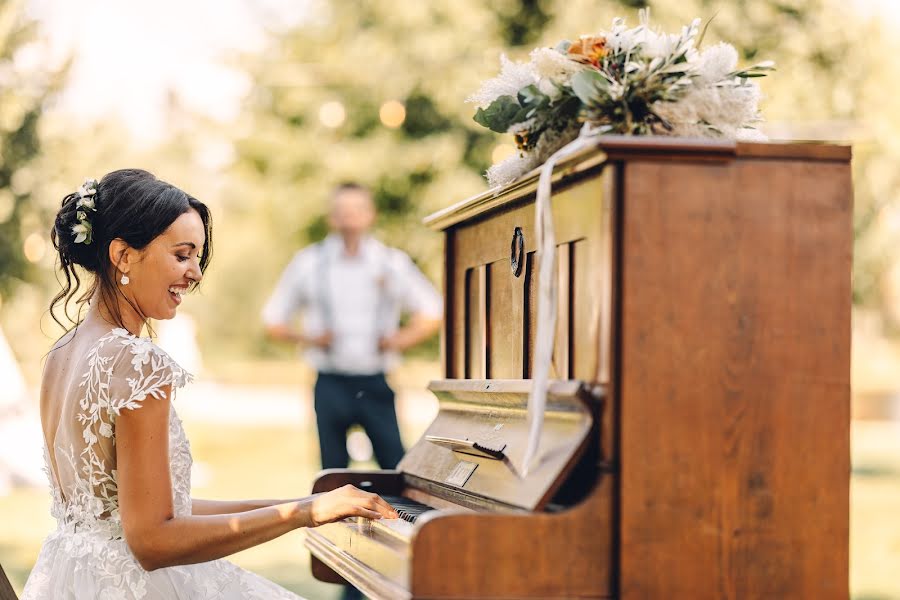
[(26, 85), (369, 92), (837, 72)]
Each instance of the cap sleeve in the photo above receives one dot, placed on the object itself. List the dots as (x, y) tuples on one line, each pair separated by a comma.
[(140, 370)]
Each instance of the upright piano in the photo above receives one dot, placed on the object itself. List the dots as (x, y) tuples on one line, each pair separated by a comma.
[(696, 435)]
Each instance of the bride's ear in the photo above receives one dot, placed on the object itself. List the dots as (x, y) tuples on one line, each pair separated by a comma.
[(121, 255)]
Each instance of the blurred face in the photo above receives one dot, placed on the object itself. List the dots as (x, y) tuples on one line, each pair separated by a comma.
[(352, 212), (163, 271)]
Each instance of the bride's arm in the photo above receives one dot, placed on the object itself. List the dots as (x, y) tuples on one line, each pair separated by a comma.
[(200, 506), (159, 539)]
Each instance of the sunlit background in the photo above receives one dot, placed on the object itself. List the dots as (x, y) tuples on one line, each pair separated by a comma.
[(259, 107)]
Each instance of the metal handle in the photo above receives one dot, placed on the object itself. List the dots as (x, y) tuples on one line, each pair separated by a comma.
[(517, 252)]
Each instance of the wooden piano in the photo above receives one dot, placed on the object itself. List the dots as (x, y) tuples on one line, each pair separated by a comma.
[(696, 439)]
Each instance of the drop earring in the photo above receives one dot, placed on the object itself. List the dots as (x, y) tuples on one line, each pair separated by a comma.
[(124, 279)]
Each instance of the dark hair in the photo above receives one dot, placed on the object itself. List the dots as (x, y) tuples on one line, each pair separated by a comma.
[(349, 186), (131, 204)]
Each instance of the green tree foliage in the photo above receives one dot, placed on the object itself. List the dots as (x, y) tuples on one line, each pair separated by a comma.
[(428, 56), (24, 91), (431, 55)]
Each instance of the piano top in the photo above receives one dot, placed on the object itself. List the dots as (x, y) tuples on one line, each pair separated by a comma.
[(618, 147)]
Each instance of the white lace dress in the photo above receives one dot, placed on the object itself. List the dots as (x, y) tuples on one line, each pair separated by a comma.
[(87, 556)]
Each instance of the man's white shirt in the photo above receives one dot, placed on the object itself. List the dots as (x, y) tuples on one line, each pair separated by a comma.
[(359, 298)]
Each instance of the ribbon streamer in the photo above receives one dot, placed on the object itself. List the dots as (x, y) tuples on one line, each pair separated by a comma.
[(548, 294)]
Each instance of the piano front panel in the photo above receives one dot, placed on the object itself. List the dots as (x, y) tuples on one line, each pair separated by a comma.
[(492, 313), (495, 306)]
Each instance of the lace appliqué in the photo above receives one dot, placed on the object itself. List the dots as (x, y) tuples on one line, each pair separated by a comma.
[(94, 501), (87, 556)]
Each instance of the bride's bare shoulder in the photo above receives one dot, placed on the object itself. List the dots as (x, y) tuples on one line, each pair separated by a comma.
[(72, 346), (63, 342)]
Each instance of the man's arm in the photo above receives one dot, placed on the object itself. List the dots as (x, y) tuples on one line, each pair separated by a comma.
[(285, 301), (421, 326), (419, 299), (286, 333)]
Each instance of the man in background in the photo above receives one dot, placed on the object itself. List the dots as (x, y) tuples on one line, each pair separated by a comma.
[(351, 291)]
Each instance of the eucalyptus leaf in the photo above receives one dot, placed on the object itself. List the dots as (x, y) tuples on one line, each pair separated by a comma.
[(499, 115), (587, 85), (532, 98)]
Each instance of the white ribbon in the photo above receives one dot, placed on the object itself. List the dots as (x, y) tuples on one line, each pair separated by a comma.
[(548, 293)]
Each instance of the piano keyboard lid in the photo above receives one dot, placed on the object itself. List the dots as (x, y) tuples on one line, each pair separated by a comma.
[(476, 444)]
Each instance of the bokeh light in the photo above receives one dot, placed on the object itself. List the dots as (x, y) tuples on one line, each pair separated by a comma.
[(392, 114), (34, 247), (332, 114), (502, 152)]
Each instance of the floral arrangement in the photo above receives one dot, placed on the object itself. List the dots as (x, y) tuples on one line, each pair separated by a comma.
[(84, 206), (623, 81)]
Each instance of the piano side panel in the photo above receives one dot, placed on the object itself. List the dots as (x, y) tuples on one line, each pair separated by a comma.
[(734, 405)]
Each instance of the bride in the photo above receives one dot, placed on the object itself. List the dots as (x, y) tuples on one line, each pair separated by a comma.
[(117, 457)]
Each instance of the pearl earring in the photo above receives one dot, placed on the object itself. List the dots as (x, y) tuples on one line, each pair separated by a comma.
[(124, 279)]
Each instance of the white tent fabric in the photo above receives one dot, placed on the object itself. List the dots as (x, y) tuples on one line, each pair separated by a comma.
[(21, 438)]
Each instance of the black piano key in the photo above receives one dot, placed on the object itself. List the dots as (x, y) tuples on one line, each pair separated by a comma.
[(407, 509)]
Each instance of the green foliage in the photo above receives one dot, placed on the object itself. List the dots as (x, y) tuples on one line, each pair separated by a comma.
[(837, 76), (501, 114), (22, 99), (521, 22), (426, 55)]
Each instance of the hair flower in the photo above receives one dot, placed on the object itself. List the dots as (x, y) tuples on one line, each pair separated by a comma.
[(85, 206)]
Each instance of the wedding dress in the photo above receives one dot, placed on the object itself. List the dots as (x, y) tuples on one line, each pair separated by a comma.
[(87, 557)]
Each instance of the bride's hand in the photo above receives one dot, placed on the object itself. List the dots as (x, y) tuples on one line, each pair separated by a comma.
[(348, 501)]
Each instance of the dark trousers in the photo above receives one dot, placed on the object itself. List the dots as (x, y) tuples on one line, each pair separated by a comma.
[(342, 401)]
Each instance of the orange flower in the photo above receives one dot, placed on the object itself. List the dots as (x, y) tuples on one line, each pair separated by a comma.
[(589, 50)]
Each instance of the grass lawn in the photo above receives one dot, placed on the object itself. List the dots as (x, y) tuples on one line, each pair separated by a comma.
[(278, 461)]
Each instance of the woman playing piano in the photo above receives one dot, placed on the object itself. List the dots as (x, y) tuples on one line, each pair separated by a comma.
[(117, 456)]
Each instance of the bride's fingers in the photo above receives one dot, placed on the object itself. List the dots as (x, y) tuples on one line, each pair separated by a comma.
[(359, 511), (376, 502), (384, 508)]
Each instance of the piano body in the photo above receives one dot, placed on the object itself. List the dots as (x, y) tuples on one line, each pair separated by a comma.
[(696, 439)]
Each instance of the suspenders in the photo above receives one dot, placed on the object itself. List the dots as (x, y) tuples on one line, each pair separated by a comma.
[(324, 297)]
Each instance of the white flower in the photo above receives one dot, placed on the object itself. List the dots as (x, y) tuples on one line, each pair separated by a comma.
[(661, 44), (716, 62), (552, 65), (510, 169), (748, 134), (81, 232), (106, 430), (513, 77), (87, 202)]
